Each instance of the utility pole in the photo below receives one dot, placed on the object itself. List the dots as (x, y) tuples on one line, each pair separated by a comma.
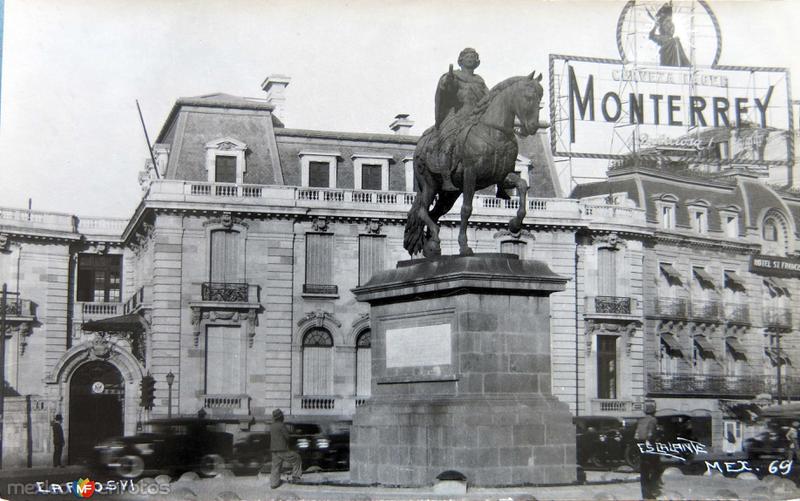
[(780, 362), (3, 304)]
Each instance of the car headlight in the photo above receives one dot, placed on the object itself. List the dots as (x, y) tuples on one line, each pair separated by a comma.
[(302, 443), (323, 443)]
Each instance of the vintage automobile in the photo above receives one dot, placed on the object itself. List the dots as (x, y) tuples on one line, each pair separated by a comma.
[(171, 446), (324, 446), (605, 442)]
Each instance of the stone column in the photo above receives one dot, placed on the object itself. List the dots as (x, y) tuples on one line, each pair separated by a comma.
[(461, 376)]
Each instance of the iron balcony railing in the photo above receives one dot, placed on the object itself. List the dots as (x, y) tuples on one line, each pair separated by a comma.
[(671, 307), (707, 309), (690, 384), (16, 307), (744, 386), (225, 292), (612, 304), (777, 317), (320, 289), (736, 312)]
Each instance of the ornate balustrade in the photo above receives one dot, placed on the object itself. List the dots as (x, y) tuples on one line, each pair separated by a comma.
[(705, 309), (16, 307), (317, 403), (697, 385), (612, 304), (226, 292), (736, 312), (673, 307), (326, 289), (96, 310)]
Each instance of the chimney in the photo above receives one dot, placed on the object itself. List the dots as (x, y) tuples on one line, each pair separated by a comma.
[(401, 124), (275, 87)]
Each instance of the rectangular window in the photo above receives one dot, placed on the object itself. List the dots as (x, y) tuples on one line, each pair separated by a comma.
[(371, 251), (226, 257), (99, 278), (731, 226), (223, 360), (667, 217), (319, 175), (606, 272), (225, 169), (371, 176), (606, 367), (319, 259), (363, 371), (699, 222)]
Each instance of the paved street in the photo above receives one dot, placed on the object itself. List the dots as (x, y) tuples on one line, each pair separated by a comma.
[(336, 486)]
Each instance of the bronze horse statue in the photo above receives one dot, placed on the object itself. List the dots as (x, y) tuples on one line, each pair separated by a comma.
[(484, 152)]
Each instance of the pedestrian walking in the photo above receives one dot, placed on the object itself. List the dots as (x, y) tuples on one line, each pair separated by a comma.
[(650, 465), (58, 440), (281, 453)]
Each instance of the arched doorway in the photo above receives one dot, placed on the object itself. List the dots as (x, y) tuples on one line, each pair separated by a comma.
[(96, 397)]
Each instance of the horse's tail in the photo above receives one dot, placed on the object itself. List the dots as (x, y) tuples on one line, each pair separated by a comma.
[(414, 236)]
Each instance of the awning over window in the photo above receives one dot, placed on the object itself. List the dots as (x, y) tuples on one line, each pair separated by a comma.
[(672, 344), (772, 353), (671, 273), (706, 350), (745, 412), (122, 323), (734, 281), (736, 348), (704, 278), (777, 285)]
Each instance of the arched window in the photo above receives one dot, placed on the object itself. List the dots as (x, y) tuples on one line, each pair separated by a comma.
[(770, 231), (317, 362), (364, 363)]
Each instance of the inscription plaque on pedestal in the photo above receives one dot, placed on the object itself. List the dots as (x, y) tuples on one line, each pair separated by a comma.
[(419, 346)]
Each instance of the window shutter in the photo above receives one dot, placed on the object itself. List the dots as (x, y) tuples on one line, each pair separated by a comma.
[(319, 258), (606, 272), (225, 258), (371, 250)]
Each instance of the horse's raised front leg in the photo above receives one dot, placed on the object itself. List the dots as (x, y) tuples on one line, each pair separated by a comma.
[(468, 187), (514, 180)]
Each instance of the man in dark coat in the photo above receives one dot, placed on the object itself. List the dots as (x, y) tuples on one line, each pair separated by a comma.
[(281, 453), (58, 440), (650, 464)]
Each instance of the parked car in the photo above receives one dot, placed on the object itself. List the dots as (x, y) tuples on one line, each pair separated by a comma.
[(172, 446), (324, 446), (605, 442)]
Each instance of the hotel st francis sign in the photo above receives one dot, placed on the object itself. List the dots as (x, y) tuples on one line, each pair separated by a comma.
[(667, 94)]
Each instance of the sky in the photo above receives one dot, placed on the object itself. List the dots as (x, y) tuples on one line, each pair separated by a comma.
[(72, 70)]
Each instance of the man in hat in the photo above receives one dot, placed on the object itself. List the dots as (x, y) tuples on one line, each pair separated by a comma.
[(58, 440), (649, 465), (281, 453)]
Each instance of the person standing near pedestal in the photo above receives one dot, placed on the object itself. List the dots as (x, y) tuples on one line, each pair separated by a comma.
[(58, 440), (279, 446), (650, 465)]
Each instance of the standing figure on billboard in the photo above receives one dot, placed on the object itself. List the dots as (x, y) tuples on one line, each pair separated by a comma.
[(456, 96), (663, 33)]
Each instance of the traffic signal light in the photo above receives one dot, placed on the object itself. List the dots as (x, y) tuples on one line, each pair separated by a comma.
[(148, 388)]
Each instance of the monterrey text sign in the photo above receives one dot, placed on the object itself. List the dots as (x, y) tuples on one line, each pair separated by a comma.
[(606, 109)]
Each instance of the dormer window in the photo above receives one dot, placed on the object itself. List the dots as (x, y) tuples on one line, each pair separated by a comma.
[(770, 231), (667, 213), (699, 219), (371, 172), (729, 220), (665, 209), (775, 234), (318, 169), (225, 160)]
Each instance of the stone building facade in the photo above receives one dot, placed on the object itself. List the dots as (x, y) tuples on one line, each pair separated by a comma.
[(234, 274)]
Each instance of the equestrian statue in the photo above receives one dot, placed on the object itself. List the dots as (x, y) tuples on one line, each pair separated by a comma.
[(471, 146)]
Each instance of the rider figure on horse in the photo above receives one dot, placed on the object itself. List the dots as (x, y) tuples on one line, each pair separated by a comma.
[(456, 96)]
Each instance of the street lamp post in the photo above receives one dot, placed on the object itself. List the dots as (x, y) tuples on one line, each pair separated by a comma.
[(170, 380)]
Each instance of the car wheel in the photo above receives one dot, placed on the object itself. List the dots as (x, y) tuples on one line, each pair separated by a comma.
[(211, 465), (632, 457), (130, 466)]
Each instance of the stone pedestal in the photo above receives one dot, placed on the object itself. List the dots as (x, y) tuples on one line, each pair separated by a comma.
[(461, 376)]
